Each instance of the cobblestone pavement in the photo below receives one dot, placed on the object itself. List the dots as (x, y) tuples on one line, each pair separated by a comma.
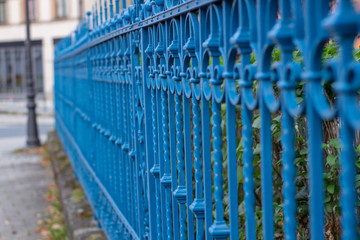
[(23, 181)]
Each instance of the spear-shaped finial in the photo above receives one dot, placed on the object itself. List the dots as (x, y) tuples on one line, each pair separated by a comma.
[(106, 11), (111, 9), (101, 13), (117, 6)]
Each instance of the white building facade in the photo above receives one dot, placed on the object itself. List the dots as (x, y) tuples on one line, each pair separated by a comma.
[(51, 20)]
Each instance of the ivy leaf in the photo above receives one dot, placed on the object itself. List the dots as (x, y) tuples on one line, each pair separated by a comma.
[(303, 151), (335, 142), (357, 163), (329, 208), (358, 177), (277, 119), (299, 160), (303, 194), (257, 149), (331, 160), (240, 176), (256, 123), (241, 208), (331, 188), (358, 149), (357, 54)]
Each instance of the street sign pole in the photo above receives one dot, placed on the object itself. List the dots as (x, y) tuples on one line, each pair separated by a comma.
[(32, 129)]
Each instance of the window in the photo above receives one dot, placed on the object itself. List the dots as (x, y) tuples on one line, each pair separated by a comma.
[(62, 9), (13, 72), (3, 16), (32, 10)]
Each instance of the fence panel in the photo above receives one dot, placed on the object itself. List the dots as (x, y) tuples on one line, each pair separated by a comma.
[(214, 119)]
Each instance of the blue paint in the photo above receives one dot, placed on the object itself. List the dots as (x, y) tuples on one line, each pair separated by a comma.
[(147, 98)]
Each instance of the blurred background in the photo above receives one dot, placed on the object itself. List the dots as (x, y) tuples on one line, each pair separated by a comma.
[(51, 20), (25, 177)]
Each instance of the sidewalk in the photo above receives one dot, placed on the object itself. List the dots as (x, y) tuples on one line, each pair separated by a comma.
[(19, 107), (23, 180)]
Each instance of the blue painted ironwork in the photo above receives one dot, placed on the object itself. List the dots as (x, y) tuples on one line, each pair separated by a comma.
[(146, 101)]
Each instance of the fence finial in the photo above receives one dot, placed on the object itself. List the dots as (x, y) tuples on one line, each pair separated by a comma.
[(88, 13), (106, 10), (93, 16), (111, 9), (117, 7), (101, 13), (96, 15)]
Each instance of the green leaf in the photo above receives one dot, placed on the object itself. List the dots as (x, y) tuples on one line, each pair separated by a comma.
[(326, 175), (331, 188), (302, 194), (335, 142), (358, 149), (357, 54), (252, 58), (357, 163), (256, 123), (358, 177), (240, 176), (275, 55), (303, 151), (277, 119), (299, 160), (331, 160), (241, 208), (329, 208), (257, 149)]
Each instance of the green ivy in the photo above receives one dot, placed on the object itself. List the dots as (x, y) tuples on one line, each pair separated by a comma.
[(331, 148)]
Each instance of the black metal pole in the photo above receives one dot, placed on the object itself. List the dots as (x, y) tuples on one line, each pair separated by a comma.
[(32, 129)]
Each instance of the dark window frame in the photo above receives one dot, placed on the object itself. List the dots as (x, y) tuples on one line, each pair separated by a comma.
[(12, 70)]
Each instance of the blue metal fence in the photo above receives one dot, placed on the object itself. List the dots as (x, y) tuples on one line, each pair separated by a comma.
[(151, 104)]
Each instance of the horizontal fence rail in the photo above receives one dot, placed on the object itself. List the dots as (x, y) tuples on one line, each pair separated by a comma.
[(210, 119)]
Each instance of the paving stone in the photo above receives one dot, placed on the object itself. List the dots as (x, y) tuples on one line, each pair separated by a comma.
[(23, 180), (23, 185)]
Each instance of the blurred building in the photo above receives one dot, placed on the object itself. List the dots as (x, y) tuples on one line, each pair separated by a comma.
[(51, 20)]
